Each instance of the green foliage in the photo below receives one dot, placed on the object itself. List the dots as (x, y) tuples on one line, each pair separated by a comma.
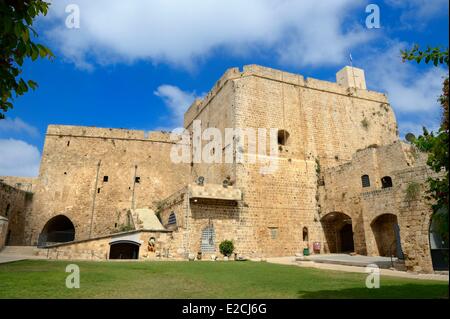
[(16, 42), (435, 55), (436, 144), (317, 167), (365, 123), (123, 228), (412, 191), (226, 248)]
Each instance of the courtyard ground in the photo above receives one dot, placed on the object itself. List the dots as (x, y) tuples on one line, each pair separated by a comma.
[(177, 279)]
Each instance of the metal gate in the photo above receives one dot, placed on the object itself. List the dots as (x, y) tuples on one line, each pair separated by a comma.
[(207, 241)]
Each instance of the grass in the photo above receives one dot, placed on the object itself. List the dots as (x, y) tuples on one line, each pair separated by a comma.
[(46, 279)]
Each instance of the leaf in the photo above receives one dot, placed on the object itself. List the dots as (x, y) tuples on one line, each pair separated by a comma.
[(18, 30), (26, 35), (34, 53), (32, 84)]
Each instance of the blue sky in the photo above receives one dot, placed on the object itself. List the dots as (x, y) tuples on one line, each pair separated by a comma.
[(139, 64)]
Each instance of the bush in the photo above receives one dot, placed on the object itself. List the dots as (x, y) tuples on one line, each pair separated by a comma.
[(226, 248)]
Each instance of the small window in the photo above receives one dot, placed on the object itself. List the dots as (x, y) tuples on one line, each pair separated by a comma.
[(105, 179), (172, 219), (137, 179), (365, 181), (98, 190), (273, 232), (68, 143), (305, 233), (7, 210), (282, 137), (386, 182)]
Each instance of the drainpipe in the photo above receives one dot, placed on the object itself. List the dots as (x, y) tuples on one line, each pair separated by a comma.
[(93, 199), (133, 204)]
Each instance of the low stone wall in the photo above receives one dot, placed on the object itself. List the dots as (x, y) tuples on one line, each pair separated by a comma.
[(99, 248)]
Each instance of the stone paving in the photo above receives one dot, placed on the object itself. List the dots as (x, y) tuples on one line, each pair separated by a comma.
[(292, 260)]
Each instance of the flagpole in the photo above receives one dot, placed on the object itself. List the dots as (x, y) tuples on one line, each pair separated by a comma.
[(353, 72)]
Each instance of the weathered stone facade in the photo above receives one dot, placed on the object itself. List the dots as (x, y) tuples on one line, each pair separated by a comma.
[(333, 134)]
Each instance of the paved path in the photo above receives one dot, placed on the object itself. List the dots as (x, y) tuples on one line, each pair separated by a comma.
[(16, 253), (386, 272)]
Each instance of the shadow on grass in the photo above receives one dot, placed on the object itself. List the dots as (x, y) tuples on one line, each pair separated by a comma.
[(406, 291)]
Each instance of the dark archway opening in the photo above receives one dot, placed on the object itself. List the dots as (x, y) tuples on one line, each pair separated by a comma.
[(386, 182), (439, 244), (124, 250), (338, 232), (346, 234), (58, 229), (283, 137), (387, 236)]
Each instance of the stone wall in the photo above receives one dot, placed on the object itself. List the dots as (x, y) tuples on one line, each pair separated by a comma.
[(374, 210), (99, 248), (333, 134), (94, 176), (15, 205), (23, 183), (3, 231)]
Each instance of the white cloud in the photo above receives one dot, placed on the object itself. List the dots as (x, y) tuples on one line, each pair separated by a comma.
[(176, 100), (17, 125), (417, 12), (18, 158), (182, 32), (412, 91)]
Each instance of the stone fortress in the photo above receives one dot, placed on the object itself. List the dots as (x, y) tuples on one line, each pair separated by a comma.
[(345, 182)]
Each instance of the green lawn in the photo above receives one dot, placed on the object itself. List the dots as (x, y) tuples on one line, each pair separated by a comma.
[(46, 279)]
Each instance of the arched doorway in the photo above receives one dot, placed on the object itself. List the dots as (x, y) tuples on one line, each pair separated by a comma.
[(124, 249), (438, 244), (338, 231), (58, 229), (387, 235)]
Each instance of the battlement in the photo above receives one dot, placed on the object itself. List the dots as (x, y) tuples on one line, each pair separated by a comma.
[(342, 87), (109, 133)]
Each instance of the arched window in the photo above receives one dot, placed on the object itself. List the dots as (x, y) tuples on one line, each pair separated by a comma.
[(172, 219), (365, 181), (386, 182), (305, 233), (282, 137)]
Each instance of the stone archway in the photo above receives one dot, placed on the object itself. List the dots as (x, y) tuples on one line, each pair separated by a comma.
[(439, 246), (58, 229), (387, 235), (338, 230), (124, 249)]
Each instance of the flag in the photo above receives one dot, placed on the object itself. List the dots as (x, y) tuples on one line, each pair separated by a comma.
[(351, 59)]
